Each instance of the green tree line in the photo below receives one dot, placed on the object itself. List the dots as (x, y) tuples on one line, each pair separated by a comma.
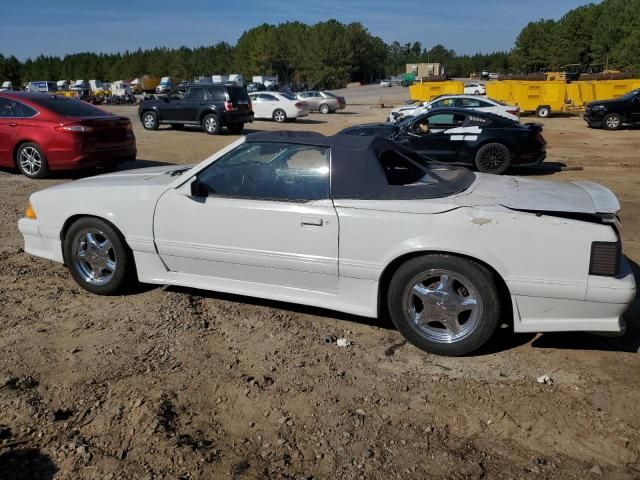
[(331, 54)]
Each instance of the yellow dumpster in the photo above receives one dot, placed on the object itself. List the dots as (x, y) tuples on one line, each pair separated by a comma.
[(425, 91), (500, 91), (543, 98)]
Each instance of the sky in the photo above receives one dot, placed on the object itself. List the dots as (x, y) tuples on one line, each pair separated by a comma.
[(58, 27)]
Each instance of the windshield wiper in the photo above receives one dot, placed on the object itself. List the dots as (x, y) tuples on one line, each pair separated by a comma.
[(179, 171)]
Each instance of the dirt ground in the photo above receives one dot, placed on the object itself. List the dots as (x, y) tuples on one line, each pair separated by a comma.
[(175, 383)]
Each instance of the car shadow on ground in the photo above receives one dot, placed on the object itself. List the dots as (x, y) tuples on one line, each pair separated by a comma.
[(26, 464), (545, 168), (503, 339), (629, 342)]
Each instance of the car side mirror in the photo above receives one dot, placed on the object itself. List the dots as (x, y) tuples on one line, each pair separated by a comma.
[(199, 189)]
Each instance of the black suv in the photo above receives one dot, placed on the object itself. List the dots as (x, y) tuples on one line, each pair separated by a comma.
[(612, 114), (210, 106)]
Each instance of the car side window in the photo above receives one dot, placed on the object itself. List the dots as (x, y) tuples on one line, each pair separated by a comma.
[(270, 171), (195, 93), (8, 108), (268, 98), (217, 94), (25, 111), (442, 120), (467, 103)]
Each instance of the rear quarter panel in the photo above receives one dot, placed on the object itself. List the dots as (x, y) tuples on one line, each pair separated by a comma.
[(536, 256)]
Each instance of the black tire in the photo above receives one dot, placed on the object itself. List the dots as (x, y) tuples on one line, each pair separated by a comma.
[(31, 161), (150, 120), (119, 252), (612, 121), (324, 108), (177, 126), (211, 124), (478, 326), (236, 128), (543, 111), (477, 92), (279, 115), (493, 158)]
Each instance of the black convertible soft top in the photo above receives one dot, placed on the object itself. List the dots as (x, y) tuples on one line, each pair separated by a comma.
[(376, 168)]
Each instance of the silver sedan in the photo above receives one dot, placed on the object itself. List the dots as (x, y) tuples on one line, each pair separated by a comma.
[(323, 102)]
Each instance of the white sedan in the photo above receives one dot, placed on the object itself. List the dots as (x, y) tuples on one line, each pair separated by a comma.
[(475, 89), (277, 106), (354, 224), (457, 101)]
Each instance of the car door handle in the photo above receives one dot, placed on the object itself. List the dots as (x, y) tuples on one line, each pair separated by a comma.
[(311, 222), (13, 124)]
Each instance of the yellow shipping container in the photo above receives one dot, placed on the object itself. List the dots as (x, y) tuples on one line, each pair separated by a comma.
[(425, 91)]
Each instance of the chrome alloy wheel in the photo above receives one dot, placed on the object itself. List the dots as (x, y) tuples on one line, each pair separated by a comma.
[(149, 121), (94, 257), (30, 161), (443, 306)]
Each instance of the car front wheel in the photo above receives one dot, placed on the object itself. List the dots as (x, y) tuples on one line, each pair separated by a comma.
[(613, 121), (31, 161), (97, 256), (150, 121), (444, 304)]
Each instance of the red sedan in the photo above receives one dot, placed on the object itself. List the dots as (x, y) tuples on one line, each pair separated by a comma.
[(40, 132)]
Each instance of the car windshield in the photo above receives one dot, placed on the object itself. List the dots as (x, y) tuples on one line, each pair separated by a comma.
[(498, 102), (630, 95), (288, 96), (329, 94), (69, 107)]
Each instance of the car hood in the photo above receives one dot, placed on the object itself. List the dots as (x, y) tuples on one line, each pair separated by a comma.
[(137, 177), (534, 195), (604, 103)]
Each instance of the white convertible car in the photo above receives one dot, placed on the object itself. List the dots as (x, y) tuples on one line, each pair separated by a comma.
[(354, 224)]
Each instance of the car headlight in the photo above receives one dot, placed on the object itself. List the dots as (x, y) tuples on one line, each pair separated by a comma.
[(29, 212), (599, 107)]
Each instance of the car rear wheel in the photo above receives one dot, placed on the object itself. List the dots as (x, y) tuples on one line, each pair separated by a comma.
[(97, 256), (31, 161), (211, 124), (613, 121), (493, 158), (543, 112), (477, 92), (444, 304), (150, 121), (279, 115), (236, 128), (324, 108)]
